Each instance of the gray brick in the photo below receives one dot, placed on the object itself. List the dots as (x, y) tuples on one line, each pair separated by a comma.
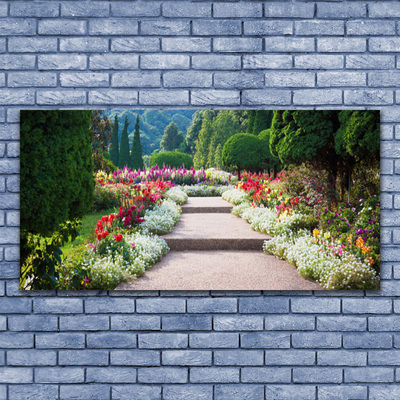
[(83, 357), (288, 10), (163, 340), (61, 61), (16, 340), (212, 305), (319, 61), (32, 45), (113, 27), (36, 9), (239, 392), (381, 392), (368, 97), (135, 357), (387, 323), (342, 358), (266, 375), (140, 44), (30, 392), (341, 323), (214, 340), (98, 392), (17, 61), (83, 79), (289, 79), (64, 97), (384, 357), (11, 254), (367, 341), (289, 323), (317, 96), (238, 10), (268, 27), (382, 10), (215, 62), (215, 97), (365, 27), (289, 357), (2, 84), (186, 357), (346, 10), (164, 61), (265, 340), (17, 305), (32, 79), (111, 340), (19, 26), (135, 322), (137, 9), (3, 9), (183, 9), (341, 45), (85, 9), (317, 375), (266, 61), (367, 306), (3, 321), (289, 392), (241, 323), (342, 78), (61, 27), (157, 98), (368, 374), (237, 45), (113, 61), (238, 357), (263, 305), (163, 375), (193, 45), (110, 375), (387, 44), (186, 323), (386, 237), (16, 375), (109, 306), (31, 357), (321, 340), (318, 27), (10, 167), (109, 96), (165, 28), (390, 150), (8, 201), (90, 45), (344, 392), (325, 306), (370, 61), (214, 375), (32, 323), (130, 392), (179, 392), (187, 79), (59, 375), (384, 78), (270, 97), (84, 322), (217, 27)]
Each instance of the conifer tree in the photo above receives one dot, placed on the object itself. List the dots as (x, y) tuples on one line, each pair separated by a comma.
[(114, 152), (262, 121), (250, 120), (136, 159), (124, 146), (218, 157), (172, 137)]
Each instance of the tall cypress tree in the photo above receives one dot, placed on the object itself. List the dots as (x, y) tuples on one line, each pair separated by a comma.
[(262, 121), (250, 120), (114, 152), (136, 159), (124, 146)]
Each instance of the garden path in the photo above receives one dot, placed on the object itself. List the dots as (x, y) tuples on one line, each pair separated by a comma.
[(211, 249)]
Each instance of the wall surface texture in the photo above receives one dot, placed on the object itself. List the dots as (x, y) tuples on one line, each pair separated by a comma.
[(199, 345)]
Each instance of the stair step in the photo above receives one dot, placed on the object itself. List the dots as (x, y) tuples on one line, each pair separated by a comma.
[(210, 205)]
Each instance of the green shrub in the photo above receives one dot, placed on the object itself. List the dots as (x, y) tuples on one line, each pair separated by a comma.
[(173, 159)]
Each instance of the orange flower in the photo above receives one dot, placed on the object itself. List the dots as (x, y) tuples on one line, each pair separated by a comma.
[(360, 242), (350, 239), (371, 260), (366, 249)]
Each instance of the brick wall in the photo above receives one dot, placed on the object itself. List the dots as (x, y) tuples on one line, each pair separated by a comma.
[(199, 345)]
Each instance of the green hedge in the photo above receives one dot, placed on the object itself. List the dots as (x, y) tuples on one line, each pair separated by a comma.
[(173, 159)]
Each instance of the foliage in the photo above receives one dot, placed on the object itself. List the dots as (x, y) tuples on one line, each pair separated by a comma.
[(136, 159), (243, 151), (114, 151), (172, 138), (193, 132), (123, 159), (270, 161), (204, 139), (262, 121), (172, 159)]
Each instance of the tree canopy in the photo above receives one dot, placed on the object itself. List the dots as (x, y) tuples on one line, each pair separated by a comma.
[(136, 158), (124, 146), (172, 137)]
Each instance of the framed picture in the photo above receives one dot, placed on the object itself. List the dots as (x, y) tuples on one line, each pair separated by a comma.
[(200, 199)]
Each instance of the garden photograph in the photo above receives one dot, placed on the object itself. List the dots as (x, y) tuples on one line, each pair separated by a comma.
[(200, 200)]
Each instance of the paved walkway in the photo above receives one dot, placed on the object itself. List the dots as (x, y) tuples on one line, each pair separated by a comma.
[(212, 249)]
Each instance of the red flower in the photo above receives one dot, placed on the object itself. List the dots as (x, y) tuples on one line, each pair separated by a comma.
[(118, 237), (98, 236), (104, 234)]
